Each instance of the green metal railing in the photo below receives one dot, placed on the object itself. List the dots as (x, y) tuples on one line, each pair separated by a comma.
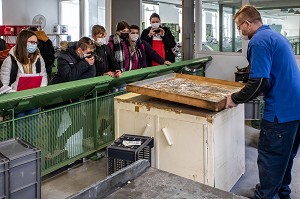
[(71, 131)]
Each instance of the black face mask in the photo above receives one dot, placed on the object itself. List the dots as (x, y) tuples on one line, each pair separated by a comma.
[(124, 35)]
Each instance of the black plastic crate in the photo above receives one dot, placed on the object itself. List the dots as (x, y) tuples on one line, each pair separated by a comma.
[(3, 177), (24, 168), (120, 156)]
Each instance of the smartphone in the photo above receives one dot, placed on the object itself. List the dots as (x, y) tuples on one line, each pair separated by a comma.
[(156, 30)]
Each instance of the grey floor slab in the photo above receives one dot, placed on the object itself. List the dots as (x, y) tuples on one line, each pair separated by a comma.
[(74, 180)]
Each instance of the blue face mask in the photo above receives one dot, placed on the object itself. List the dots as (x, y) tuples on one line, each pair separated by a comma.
[(31, 48)]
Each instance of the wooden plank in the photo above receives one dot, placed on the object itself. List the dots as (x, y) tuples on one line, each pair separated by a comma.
[(203, 92)]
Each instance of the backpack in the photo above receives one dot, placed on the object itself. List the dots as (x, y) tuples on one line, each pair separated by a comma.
[(2, 44), (14, 69), (47, 52)]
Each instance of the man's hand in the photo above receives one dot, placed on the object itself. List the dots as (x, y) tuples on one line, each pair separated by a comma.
[(90, 60), (229, 102), (118, 73), (167, 63)]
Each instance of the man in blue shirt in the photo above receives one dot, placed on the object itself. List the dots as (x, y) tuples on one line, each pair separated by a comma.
[(273, 71)]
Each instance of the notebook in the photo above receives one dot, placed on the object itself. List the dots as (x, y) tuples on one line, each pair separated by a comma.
[(29, 81)]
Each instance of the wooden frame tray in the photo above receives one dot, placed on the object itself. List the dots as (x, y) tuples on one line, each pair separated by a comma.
[(203, 92)]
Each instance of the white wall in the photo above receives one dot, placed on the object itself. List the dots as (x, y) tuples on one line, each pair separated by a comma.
[(223, 67), (21, 12), (291, 26), (168, 13), (123, 11)]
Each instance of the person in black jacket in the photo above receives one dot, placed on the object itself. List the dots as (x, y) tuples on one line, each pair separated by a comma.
[(76, 62), (105, 61), (46, 48), (160, 38), (144, 50)]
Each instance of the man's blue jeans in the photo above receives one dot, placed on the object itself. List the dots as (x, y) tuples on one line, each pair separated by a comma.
[(278, 145)]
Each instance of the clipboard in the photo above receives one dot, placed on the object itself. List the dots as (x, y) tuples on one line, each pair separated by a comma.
[(29, 81)]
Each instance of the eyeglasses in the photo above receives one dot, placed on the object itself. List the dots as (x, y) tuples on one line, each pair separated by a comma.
[(33, 42), (239, 26)]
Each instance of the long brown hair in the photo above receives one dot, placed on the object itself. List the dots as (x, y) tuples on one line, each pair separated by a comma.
[(21, 48)]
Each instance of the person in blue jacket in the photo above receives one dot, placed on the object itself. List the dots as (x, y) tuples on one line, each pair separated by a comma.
[(273, 71), (76, 62), (143, 50)]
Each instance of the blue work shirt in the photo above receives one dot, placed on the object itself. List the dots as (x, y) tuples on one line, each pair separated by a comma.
[(270, 55)]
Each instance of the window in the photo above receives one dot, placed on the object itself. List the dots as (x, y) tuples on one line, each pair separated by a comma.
[(71, 8), (218, 31), (94, 14), (283, 17)]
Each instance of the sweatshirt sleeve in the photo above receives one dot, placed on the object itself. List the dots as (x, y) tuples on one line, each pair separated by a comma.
[(112, 62), (145, 36), (153, 54), (169, 39), (5, 71)]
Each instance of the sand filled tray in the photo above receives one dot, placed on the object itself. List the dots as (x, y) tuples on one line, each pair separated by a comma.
[(203, 92)]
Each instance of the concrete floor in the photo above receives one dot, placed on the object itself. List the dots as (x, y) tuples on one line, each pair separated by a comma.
[(76, 179), (245, 185)]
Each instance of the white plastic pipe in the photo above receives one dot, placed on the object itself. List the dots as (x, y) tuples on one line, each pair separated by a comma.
[(164, 130), (146, 130)]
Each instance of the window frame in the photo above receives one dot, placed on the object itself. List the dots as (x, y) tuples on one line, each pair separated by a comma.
[(198, 34)]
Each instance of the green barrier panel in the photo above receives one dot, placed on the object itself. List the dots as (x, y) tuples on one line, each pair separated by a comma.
[(67, 133), (61, 92), (73, 131)]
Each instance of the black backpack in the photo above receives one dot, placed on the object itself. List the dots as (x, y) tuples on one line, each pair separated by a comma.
[(2, 44), (14, 69)]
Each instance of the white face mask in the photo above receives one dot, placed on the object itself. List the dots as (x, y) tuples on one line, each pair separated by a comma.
[(100, 41), (155, 25), (134, 37), (244, 37)]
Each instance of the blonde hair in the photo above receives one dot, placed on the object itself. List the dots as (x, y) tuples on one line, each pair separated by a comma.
[(63, 45), (249, 13)]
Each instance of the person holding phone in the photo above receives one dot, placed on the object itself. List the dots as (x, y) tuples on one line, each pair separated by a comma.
[(76, 63), (161, 40)]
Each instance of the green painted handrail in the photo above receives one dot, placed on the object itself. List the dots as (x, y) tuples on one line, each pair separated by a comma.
[(53, 94)]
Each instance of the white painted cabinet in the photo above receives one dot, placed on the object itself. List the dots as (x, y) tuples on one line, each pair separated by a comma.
[(205, 146)]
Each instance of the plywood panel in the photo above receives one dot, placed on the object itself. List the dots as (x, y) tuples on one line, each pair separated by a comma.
[(203, 92)]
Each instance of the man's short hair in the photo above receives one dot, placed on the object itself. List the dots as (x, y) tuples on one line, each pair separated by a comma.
[(85, 43), (97, 29), (135, 27), (249, 13)]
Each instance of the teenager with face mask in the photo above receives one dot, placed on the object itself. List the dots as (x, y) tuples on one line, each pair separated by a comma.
[(123, 47), (76, 62), (24, 58), (105, 61), (27, 58), (143, 50), (161, 40)]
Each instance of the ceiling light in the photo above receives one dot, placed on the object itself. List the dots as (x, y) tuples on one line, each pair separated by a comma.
[(291, 11), (297, 12)]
